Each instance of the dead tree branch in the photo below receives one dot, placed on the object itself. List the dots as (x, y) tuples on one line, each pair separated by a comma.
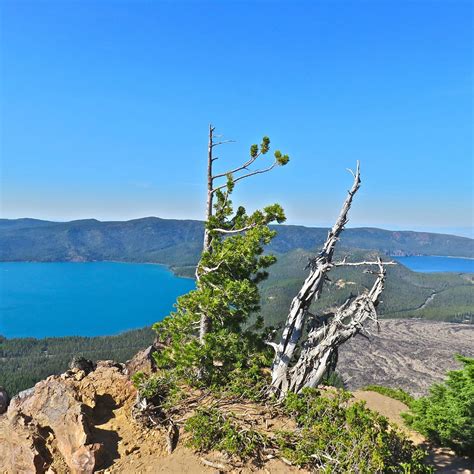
[(323, 342), (311, 289), (319, 351)]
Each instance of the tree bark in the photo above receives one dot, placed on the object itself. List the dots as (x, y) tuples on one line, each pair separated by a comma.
[(210, 184), (205, 322), (310, 290), (323, 342)]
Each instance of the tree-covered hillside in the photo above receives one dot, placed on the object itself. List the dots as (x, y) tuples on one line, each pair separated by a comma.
[(437, 296), (25, 361), (179, 242)]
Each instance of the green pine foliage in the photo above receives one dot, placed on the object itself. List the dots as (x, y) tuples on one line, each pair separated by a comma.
[(213, 430), (446, 416), (227, 293), (332, 435)]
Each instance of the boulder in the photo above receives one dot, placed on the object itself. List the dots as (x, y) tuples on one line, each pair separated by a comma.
[(56, 420), (82, 363), (143, 361)]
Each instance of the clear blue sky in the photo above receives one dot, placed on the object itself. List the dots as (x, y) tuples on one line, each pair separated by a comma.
[(105, 107)]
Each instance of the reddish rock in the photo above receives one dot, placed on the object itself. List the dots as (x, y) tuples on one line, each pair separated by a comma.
[(143, 361), (57, 418)]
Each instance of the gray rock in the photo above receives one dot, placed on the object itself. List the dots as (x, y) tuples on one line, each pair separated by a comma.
[(82, 363), (4, 400)]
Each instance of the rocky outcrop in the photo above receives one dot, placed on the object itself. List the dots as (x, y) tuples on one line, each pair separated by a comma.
[(56, 421), (143, 361)]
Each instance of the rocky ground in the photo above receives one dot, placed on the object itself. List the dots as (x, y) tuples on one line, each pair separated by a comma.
[(81, 421), (408, 354)]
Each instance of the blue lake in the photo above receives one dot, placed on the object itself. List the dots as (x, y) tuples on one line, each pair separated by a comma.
[(437, 264), (86, 299)]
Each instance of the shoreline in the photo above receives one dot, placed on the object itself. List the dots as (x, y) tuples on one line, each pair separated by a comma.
[(435, 256)]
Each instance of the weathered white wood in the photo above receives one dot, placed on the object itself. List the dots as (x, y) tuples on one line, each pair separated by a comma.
[(323, 342), (310, 291), (324, 338)]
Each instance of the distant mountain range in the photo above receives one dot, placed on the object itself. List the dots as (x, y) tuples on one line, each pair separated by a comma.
[(178, 242)]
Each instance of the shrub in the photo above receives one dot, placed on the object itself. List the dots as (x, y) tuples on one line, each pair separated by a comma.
[(160, 389), (336, 436), (210, 429), (446, 416), (332, 436)]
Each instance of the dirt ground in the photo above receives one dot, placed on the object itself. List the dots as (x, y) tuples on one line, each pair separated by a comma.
[(135, 452)]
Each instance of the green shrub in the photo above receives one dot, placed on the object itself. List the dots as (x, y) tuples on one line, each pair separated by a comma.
[(160, 389), (335, 436), (212, 430), (332, 436), (446, 416), (395, 393)]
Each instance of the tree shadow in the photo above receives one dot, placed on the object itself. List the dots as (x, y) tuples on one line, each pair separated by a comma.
[(446, 461)]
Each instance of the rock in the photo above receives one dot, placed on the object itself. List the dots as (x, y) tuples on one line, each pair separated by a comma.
[(143, 361), (56, 420), (81, 363), (4, 400), (55, 404), (21, 446)]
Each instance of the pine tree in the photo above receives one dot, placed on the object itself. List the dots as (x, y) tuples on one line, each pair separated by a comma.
[(231, 266)]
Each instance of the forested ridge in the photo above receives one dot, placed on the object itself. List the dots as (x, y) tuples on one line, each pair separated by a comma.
[(179, 242), (408, 294)]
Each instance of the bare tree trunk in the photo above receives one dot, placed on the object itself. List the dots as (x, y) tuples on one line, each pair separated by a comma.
[(324, 338), (205, 322), (324, 341), (210, 185), (310, 290)]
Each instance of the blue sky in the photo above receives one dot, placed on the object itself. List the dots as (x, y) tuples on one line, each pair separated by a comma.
[(105, 107)]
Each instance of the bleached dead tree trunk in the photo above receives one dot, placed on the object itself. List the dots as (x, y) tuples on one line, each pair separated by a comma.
[(323, 339), (239, 173), (204, 323)]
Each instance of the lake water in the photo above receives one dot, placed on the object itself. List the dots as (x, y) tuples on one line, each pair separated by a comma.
[(86, 299), (437, 264)]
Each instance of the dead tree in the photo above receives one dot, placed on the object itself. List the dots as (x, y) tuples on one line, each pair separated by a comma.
[(215, 183), (323, 338)]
